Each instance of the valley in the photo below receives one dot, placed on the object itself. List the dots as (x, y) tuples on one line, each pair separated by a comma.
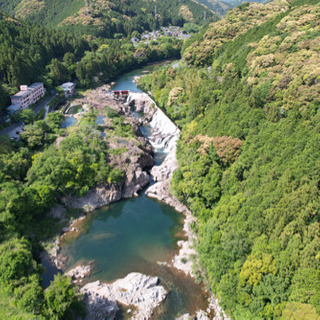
[(186, 189)]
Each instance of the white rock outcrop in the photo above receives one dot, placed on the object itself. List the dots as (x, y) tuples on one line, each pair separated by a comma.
[(79, 273), (164, 132), (142, 103), (136, 289), (135, 181), (95, 198), (164, 136)]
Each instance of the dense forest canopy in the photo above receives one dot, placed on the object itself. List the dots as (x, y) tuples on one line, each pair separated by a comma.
[(219, 7), (107, 18), (248, 102), (34, 173), (30, 53), (47, 164)]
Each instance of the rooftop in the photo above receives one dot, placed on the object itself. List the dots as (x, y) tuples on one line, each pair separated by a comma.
[(34, 85), (22, 93), (13, 108), (67, 85)]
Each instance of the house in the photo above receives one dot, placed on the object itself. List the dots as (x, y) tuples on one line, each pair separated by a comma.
[(27, 96), (69, 88), (122, 94)]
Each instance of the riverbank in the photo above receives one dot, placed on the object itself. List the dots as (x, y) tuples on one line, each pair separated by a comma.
[(164, 135), (130, 152), (187, 258)]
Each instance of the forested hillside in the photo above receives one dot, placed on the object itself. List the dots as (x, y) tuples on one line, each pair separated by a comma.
[(108, 18), (31, 53), (33, 175), (248, 102), (236, 22), (26, 50), (220, 7), (235, 3)]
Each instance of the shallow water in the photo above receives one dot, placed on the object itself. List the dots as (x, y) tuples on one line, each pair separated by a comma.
[(100, 120), (125, 82), (124, 237), (75, 109), (68, 122)]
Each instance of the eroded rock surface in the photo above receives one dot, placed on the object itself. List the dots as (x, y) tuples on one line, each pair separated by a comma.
[(79, 273), (136, 289), (95, 198)]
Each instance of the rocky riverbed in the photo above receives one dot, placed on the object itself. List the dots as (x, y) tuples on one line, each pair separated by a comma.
[(140, 291), (165, 135)]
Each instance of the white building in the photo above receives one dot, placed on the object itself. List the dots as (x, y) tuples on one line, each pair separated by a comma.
[(69, 88), (27, 96)]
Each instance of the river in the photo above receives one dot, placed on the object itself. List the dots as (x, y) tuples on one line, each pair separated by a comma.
[(134, 235)]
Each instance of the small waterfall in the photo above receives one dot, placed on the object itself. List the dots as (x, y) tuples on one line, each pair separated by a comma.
[(164, 132)]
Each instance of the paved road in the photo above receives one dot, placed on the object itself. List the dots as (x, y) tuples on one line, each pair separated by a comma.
[(17, 127)]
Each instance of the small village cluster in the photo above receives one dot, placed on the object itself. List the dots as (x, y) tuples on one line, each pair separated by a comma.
[(172, 31)]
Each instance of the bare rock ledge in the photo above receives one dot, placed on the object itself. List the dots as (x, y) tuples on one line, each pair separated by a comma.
[(136, 289)]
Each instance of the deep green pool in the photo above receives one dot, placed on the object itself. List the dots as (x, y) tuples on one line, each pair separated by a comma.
[(133, 235), (126, 237)]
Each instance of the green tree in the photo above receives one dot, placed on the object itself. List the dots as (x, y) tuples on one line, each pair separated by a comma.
[(69, 59), (54, 120), (12, 205), (15, 165), (27, 116), (59, 71), (4, 99), (36, 135), (306, 287), (300, 311), (62, 299), (15, 261), (29, 296)]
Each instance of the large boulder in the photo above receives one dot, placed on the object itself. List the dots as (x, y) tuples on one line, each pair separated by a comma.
[(95, 198), (136, 289)]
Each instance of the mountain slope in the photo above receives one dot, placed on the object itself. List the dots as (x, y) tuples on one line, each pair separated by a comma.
[(220, 7), (31, 53), (236, 22), (235, 3), (105, 18), (249, 157)]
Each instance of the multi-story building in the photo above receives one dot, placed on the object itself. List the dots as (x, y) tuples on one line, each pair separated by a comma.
[(27, 95)]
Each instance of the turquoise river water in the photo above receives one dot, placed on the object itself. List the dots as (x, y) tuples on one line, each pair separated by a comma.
[(133, 235)]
